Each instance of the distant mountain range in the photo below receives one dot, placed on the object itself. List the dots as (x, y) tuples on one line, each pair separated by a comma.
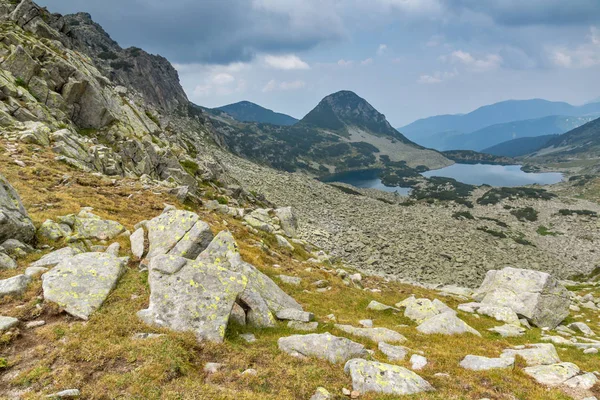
[(245, 111), (519, 147), (496, 123)]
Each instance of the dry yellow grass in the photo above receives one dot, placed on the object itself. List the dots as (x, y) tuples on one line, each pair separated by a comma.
[(101, 358)]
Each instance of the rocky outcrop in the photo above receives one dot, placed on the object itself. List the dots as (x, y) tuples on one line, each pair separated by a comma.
[(534, 295), (14, 220)]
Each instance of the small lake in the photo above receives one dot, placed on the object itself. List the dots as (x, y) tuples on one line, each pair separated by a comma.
[(473, 174)]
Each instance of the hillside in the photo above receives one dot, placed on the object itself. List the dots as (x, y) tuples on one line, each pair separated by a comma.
[(519, 147), (498, 113), (245, 111), (495, 134), (582, 142)]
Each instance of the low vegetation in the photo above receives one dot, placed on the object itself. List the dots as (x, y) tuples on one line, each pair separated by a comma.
[(525, 214), (496, 195), (587, 213)]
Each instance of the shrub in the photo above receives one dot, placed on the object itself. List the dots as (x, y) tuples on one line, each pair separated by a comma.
[(588, 213), (495, 195), (190, 167), (108, 55), (463, 215), (525, 214), (494, 233), (497, 221)]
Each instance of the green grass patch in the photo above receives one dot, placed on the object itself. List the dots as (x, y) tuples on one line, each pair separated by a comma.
[(544, 231)]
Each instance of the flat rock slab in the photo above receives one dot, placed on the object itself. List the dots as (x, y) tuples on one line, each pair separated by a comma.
[(14, 286), (290, 314), (375, 334), (582, 382), (167, 229), (446, 324), (81, 283), (322, 394), (7, 322), (554, 374), (393, 353), (324, 346), (502, 314), (375, 377), (478, 363), (535, 354), (420, 310), (55, 257), (290, 280), (508, 330), (303, 326), (377, 306)]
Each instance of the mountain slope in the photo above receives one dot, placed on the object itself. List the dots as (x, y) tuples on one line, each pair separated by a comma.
[(245, 111), (498, 113), (499, 133), (582, 142), (519, 147)]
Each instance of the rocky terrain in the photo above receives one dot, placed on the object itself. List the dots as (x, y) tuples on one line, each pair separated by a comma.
[(141, 257)]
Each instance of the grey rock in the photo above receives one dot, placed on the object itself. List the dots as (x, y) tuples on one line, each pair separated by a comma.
[(393, 353), (446, 324), (166, 230), (194, 241), (303, 326), (88, 226), (535, 354), (290, 314), (583, 328), (554, 374), (371, 376), (503, 314), (14, 286), (508, 330), (66, 394), (7, 322), (479, 363), (321, 394), (81, 283), (377, 306), (138, 243), (366, 323), (283, 243), (535, 295), (238, 315), (288, 220), (53, 231), (248, 337), (324, 346), (6, 262), (16, 247), (290, 280), (582, 382), (420, 310), (418, 362), (375, 334), (113, 249), (213, 368), (34, 324), (33, 271)]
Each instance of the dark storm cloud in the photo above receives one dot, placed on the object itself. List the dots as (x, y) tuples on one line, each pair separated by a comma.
[(532, 12), (209, 31)]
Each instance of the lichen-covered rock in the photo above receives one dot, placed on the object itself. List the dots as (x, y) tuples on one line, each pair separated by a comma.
[(420, 310), (138, 243), (14, 220), (53, 231), (54, 258), (194, 241), (288, 220), (90, 226), (554, 374), (375, 334), (583, 382), (166, 230), (6, 262), (535, 354), (303, 326), (81, 283), (261, 220), (503, 314), (508, 330), (478, 363), (321, 394), (535, 295), (290, 314), (324, 346), (192, 296), (377, 306), (283, 243), (14, 286), (393, 353), (446, 324), (371, 376)]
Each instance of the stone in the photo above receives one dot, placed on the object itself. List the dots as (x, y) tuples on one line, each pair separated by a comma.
[(138, 243), (553, 374), (34, 324), (166, 230), (81, 283), (113, 249), (290, 314), (56, 257), (34, 271), (16, 247), (441, 307), (213, 368), (393, 353), (248, 337), (290, 280), (479, 363), (375, 377), (583, 382), (88, 226), (238, 315), (375, 334), (193, 242), (53, 231), (303, 326), (534, 295), (366, 323), (195, 296), (508, 330), (324, 346), (250, 371), (14, 286), (321, 394), (287, 220), (535, 354), (377, 306), (418, 362), (6, 262), (321, 284), (591, 351), (14, 220), (583, 328), (446, 324), (65, 394), (420, 310), (283, 243), (7, 322), (147, 336), (503, 314)]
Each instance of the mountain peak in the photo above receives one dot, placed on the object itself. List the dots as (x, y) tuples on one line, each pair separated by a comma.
[(246, 111)]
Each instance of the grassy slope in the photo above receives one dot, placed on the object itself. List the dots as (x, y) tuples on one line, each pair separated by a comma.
[(100, 357)]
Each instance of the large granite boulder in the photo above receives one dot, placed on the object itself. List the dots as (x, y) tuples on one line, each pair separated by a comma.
[(14, 286), (446, 324), (534, 354), (534, 295), (371, 376), (14, 220), (172, 226), (554, 374), (325, 346), (80, 284), (287, 220)]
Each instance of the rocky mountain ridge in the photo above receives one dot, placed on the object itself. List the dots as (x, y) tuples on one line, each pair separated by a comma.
[(245, 111)]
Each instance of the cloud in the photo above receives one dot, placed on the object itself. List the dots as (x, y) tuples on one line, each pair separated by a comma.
[(436, 77), (366, 62), (345, 63), (382, 49), (273, 85), (285, 62), (584, 55), (486, 63)]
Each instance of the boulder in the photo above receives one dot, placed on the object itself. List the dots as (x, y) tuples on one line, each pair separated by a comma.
[(284, 243), (287, 220), (478, 363), (324, 346), (290, 314), (554, 374), (88, 226), (138, 243), (14, 286), (508, 330), (56, 257), (166, 230), (303, 326), (420, 310), (371, 376), (377, 306), (375, 334), (6, 262), (194, 241), (290, 280), (583, 328), (535, 354), (53, 231), (582, 382), (503, 314), (14, 220), (446, 324), (418, 362), (534, 295), (321, 394), (7, 322), (393, 353), (238, 315), (81, 283)]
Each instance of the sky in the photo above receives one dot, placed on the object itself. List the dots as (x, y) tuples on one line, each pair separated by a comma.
[(409, 58)]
